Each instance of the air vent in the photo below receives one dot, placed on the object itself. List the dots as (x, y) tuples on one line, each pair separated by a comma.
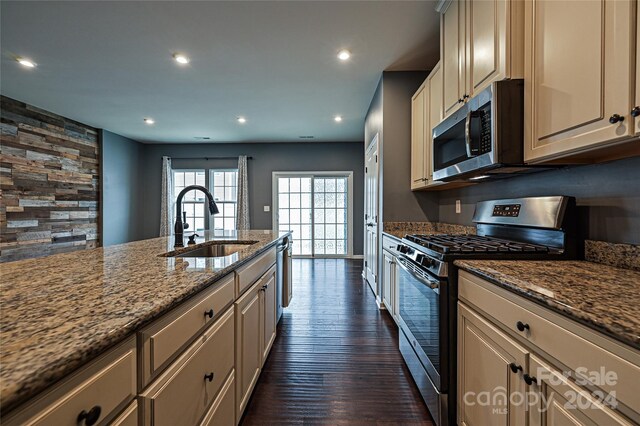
[(306, 137), (202, 138)]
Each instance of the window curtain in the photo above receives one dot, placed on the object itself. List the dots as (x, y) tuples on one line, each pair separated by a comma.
[(166, 198), (242, 217)]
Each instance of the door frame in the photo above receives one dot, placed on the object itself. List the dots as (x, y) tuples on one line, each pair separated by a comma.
[(274, 202)]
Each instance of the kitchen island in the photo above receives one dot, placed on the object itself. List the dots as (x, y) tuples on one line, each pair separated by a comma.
[(61, 312)]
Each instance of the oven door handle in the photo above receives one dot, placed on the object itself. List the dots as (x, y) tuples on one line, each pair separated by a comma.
[(432, 284)]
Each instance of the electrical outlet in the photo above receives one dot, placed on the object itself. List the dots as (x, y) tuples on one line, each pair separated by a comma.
[(458, 207), (267, 208)]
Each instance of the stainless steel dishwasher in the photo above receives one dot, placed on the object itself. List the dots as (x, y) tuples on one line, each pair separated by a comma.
[(283, 265)]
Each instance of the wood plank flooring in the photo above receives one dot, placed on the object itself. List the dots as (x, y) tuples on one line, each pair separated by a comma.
[(335, 360)]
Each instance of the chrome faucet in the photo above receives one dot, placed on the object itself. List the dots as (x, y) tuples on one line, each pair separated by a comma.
[(179, 228)]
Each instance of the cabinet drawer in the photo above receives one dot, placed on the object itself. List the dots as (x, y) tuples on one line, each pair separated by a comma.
[(109, 383), (222, 412), (129, 417), (163, 339), (571, 344), (248, 274), (182, 394)]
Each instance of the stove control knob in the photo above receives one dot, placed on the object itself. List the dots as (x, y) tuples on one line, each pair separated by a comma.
[(419, 259), (427, 261)]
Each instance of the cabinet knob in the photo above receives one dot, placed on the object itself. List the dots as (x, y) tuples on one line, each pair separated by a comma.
[(209, 313), (616, 118), (515, 367), (264, 287), (522, 326), (90, 417), (460, 100), (209, 376), (529, 379), (465, 96), (635, 111)]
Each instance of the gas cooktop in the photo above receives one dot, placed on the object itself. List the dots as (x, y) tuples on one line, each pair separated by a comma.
[(449, 244)]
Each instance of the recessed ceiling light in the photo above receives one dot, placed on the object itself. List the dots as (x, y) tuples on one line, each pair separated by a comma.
[(344, 54), (149, 121), (181, 59), (26, 62), (338, 118), (242, 120)]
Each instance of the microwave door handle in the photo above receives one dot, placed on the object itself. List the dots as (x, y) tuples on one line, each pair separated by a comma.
[(467, 134)]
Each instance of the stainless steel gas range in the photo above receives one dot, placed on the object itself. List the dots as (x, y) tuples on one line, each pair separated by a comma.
[(524, 228)]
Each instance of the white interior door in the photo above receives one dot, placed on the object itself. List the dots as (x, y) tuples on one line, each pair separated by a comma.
[(371, 215), (317, 208)]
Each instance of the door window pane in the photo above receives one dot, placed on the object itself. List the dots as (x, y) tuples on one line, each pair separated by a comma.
[(225, 192)]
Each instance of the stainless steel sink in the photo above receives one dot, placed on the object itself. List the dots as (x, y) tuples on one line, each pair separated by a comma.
[(215, 250)]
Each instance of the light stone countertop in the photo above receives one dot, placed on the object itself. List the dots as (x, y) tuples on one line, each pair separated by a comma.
[(62, 311), (603, 297)]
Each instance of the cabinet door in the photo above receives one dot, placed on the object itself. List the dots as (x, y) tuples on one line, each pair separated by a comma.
[(452, 47), (636, 104), (268, 287), (577, 75), (490, 368), (249, 329), (387, 280), (434, 118), (417, 138), (555, 400)]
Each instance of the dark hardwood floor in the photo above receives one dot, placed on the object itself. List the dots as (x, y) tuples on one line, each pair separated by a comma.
[(335, 360)]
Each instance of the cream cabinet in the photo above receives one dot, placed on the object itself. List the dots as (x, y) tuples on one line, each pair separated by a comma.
[(249, 330), (388, 281), (557, 401), (268, 304), (481, 42), (565, 367), (635, 111), (579, 88), (418, 128), (490, 363), (426, 113)]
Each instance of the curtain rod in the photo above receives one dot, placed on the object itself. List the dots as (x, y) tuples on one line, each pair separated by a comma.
[(208, 158)]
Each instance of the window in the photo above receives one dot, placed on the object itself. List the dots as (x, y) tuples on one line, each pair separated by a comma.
[(317, 208), (193, 203), (225, 193), (222, 185)]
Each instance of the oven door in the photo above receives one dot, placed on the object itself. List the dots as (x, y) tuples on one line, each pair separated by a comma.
[(422, 314)]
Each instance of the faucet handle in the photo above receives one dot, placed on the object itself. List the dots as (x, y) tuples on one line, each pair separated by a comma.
[(192, 239), (185, 225)]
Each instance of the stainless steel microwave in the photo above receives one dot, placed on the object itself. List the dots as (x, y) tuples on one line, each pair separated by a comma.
[(485, 138)]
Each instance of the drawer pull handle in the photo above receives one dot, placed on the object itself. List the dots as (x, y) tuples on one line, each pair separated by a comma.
[(522, 326), (515, 367), (90, 418), (209, 313), (529, 379), (208, 377), (616, 118)]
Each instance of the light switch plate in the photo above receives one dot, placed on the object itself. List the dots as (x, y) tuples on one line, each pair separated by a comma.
[(267, 208), (458, 207)]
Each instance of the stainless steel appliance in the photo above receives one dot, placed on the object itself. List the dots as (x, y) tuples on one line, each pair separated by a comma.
[(283, 272), (485, 138), (525, 228)]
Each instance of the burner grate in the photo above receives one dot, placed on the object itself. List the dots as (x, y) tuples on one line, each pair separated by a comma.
[(473, 244)]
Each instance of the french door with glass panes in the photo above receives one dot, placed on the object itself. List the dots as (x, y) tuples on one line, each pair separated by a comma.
[(317, 207)]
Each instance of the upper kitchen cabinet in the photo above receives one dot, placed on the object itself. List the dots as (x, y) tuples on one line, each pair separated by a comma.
[(579, 80), (426, 113), (452, 53), (481, 42)]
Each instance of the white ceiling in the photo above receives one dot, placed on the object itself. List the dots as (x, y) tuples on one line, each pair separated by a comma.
[(109, 64)]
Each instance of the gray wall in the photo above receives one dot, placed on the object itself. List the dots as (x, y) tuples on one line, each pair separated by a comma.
[(267, 158), (608, 196), (389, 114), (120, 193)]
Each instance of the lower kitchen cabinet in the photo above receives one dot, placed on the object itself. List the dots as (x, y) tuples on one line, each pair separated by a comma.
[(531, 364), (490, 364), (389, 287), (223, 409), (184, 392), (555, 400), (255, 333), (129, 417)]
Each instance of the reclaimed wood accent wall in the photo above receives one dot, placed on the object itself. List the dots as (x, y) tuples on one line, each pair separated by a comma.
[(48, 183)]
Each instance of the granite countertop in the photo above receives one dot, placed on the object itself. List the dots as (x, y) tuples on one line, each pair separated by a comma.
[(602, 297), (61, 311)]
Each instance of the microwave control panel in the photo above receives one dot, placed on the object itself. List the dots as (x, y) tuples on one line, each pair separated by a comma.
[(508, 210)]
